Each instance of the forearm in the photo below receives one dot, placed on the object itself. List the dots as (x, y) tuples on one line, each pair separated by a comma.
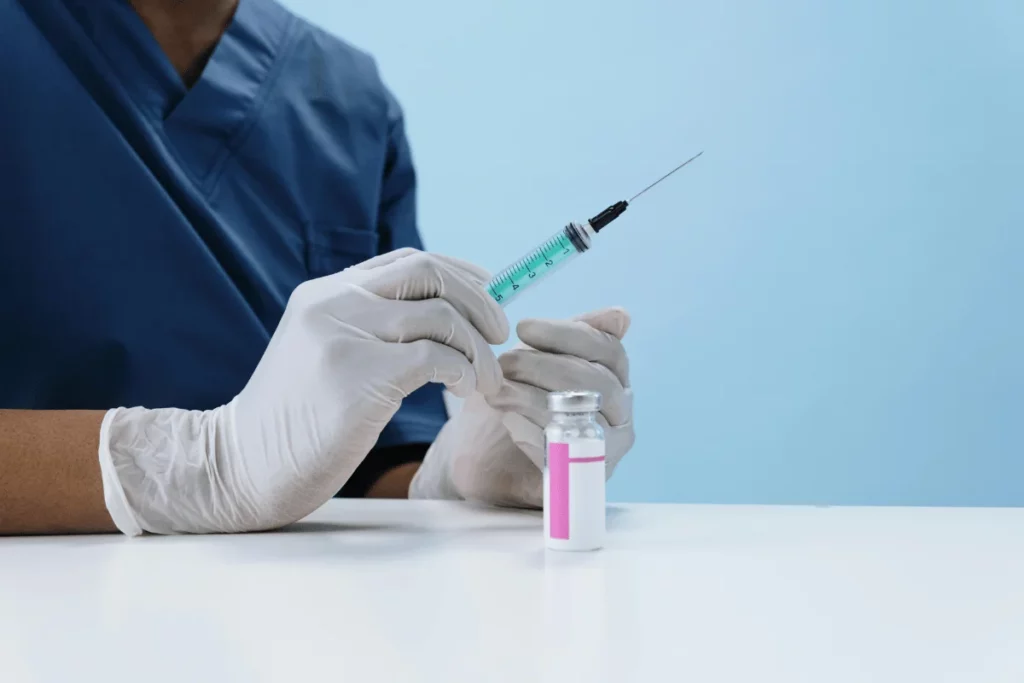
[(394, 483), (50, 481), (386, 472)]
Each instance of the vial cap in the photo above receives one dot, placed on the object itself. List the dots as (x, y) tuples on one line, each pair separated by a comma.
[(574, 401)]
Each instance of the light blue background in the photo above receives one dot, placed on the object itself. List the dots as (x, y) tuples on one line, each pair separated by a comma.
[(828, 304)]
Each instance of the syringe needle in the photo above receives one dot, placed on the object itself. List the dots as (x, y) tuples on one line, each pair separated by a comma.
[(630, 200)]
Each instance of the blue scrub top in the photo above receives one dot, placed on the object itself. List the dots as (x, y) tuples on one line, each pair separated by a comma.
[(150, 234)]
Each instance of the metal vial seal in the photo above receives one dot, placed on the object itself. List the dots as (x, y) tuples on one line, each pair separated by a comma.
[(574, 472)]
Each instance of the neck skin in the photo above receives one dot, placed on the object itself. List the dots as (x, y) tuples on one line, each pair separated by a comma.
[(187, 30)]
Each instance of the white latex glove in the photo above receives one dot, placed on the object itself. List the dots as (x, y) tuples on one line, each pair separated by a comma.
[(493, 450), (348, 349)]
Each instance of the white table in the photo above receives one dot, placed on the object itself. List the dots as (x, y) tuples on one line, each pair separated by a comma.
[(399, 591)]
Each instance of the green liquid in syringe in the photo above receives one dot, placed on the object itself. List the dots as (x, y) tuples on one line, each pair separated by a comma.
[(569, 242), (542, 261)]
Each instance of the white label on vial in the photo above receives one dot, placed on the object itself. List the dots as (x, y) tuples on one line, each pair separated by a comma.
[(574, 492)]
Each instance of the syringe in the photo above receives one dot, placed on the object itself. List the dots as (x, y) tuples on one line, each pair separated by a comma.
[(559, 249)]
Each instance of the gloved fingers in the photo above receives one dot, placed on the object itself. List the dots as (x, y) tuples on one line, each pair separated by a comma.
[(618, 441), (614, 320), (425, 276), (473, 271), (559, 372), (527, 436), (437, 320), (426, 361), (577, 338), (385, 258), (522, 399)]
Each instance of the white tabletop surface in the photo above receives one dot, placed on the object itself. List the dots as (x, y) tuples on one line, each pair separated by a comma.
[(400, 591)]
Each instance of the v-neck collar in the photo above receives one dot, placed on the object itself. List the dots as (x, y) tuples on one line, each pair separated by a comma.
[(199, 122)]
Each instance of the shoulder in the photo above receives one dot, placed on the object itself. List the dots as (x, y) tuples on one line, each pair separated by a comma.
[(339, 52), (337, 72)]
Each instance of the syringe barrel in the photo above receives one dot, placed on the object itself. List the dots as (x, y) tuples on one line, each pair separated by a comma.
[(538, 263)]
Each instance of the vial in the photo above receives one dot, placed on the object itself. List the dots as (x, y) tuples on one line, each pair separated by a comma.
[(574, 472)]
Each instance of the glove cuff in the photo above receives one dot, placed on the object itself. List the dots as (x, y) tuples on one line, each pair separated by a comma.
[(160, 470), (113, 493)]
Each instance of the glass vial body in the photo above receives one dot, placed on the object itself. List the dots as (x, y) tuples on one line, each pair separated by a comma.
[(574, 473)]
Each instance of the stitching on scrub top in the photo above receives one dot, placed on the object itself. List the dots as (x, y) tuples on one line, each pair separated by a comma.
[(157, 133), (145, 137), (238, 140)]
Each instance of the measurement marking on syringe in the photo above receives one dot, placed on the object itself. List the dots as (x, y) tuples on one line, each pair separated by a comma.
[(560, 248)]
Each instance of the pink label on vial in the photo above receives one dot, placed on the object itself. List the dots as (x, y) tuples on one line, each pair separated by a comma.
[(558, 489)]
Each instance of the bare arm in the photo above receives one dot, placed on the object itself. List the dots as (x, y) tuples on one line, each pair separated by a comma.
[(386, 472), (50, 480), (395, 482)]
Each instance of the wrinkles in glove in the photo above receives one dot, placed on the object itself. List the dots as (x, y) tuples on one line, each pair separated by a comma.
[(349, 348), (493, 451)]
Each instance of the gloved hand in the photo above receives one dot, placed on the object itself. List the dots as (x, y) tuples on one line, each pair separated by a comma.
[(493, 450), (348, 349)]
